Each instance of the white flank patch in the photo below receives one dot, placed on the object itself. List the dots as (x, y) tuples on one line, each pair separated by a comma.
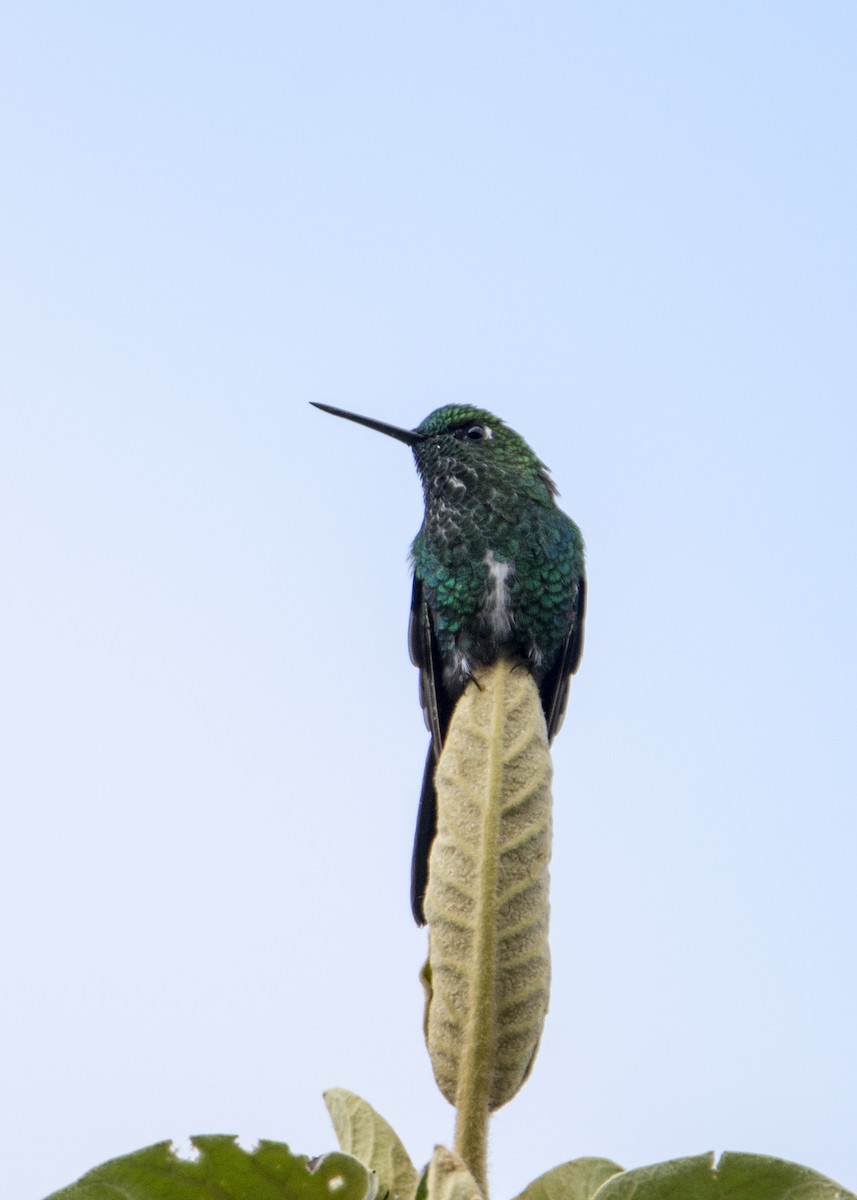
[(462, 664), (498, 610)]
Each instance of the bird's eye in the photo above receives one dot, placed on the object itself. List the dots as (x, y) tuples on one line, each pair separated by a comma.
[(473, 433)]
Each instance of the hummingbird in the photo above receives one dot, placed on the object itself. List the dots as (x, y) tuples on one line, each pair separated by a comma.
[(498, 570)]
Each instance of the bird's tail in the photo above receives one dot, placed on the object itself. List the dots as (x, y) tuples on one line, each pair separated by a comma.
[(426, 829)]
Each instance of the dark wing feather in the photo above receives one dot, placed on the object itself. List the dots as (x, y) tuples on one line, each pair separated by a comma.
[(554, 688), (437, 709), (424, 655)]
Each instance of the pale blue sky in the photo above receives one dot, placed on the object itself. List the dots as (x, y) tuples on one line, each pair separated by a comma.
[(629, 230)]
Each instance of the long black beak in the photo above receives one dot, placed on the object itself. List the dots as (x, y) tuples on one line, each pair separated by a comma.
[(409, 436)]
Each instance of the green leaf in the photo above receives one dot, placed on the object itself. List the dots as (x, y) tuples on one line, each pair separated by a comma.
[(684, 1178), (748, 1176), (365, 1134), (448, 1178), (223, 1171), (422, 1186), (488, 978), (754, 1175), (576, 1180)]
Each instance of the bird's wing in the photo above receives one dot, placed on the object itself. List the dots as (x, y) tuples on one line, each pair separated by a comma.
[(554, 688), (426, 656), (437, 709)]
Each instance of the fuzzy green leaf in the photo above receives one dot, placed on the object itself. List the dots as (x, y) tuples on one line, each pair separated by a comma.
[(448, 1178), (763, 1178), (223, 1171), (363, 1133), (487, 899), (576, 1180), (748, 1176)]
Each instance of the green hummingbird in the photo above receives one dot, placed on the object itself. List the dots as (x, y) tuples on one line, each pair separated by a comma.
[(498, 570)]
